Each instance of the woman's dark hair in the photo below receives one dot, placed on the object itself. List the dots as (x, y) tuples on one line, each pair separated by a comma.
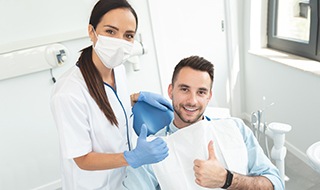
[(104, 6), (88, 69), (196, 63)]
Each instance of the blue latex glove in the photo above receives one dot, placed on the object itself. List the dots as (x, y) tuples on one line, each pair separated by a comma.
[(146, 152), (155, 100)]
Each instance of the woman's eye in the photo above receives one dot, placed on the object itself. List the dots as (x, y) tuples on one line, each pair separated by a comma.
[(110, 32), (129, 36)]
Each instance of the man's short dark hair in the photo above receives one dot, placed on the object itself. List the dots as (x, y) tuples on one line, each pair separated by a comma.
[(196, 63)]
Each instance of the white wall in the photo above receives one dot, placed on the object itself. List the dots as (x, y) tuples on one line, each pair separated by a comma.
[(295, 92), (22, 27), (192, 28), (28, 137), (233, 14)]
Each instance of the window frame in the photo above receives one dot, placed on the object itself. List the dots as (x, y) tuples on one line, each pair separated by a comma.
[(309, 50)]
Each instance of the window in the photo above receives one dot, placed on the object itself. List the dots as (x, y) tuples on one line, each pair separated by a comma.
[(293, 27)]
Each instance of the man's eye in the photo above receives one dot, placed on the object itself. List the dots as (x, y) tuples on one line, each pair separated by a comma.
[(202, 92)]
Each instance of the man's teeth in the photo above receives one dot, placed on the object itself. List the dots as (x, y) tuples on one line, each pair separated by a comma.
[(190, 109)]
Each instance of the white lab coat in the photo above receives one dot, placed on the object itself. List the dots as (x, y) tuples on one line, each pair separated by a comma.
[(83, 128)]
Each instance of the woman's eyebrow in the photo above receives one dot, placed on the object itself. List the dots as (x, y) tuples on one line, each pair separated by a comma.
[(109, 26), (115, 28)]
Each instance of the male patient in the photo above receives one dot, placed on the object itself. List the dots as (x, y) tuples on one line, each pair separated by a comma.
[(204, 153)]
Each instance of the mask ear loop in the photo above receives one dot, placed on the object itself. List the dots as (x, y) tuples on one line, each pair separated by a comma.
[(94, 31)]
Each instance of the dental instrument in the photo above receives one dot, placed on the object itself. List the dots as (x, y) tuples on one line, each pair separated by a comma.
[(275, 131)]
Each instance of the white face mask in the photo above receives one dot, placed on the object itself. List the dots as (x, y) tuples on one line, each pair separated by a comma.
[(112, 51)]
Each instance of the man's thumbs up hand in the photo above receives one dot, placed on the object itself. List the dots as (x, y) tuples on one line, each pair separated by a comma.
[(209, 173)]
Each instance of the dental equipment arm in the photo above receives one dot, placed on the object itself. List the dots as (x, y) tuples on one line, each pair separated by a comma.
[(146, 152), (279, 151), (153, 99), (210, 173)]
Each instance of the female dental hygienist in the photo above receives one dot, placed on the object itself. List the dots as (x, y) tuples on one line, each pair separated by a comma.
[(91, 106)]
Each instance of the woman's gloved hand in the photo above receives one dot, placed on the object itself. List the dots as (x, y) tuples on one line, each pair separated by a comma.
[(146, 152), (155, 100)]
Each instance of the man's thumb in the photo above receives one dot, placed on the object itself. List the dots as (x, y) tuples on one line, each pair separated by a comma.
[(211, 153)]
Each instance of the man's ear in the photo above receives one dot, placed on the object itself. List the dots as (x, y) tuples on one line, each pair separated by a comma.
[(210, 95), (170, 87)]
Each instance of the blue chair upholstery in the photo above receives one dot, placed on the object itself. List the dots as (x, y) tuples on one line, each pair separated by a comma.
[(154, 118)]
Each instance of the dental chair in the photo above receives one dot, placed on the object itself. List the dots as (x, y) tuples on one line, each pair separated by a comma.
[(154, 118)]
